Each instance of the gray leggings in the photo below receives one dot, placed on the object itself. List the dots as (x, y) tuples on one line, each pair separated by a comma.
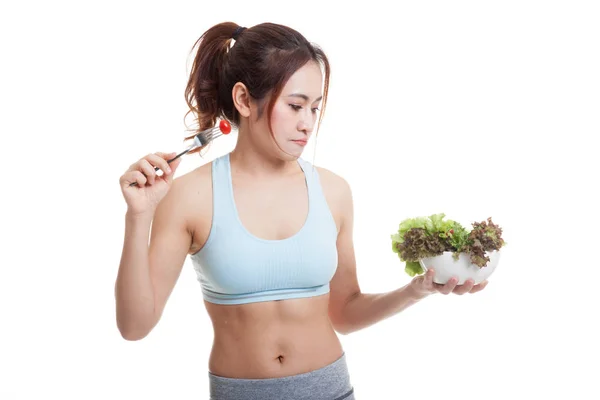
[(331, 382)]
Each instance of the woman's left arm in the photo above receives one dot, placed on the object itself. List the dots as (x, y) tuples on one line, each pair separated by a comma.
[(351, 310)]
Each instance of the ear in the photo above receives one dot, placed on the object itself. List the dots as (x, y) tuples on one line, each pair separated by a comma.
[(241, 99)]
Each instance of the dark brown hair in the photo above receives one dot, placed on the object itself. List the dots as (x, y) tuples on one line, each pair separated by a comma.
[(263, 58)]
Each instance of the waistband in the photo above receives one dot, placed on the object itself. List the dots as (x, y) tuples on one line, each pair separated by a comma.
[(331, 382)]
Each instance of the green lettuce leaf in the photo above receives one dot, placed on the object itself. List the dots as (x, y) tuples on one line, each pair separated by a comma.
[(413, 268)]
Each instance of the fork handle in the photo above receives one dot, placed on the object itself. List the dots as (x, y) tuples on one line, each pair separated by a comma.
[(168, 161)]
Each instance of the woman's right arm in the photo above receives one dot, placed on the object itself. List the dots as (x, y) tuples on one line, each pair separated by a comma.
[(155, 246)]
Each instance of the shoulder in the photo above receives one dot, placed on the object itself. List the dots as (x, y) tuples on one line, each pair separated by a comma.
[(194, 181), (334, 184), (189, 193), (338, 193)]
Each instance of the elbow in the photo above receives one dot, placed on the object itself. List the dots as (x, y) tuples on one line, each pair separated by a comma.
[(340, 325), (341, 316), (134, 324), (133, 335), (133, 331), (343, 329)]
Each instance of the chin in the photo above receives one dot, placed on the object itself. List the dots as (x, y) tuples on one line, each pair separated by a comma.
[(293, 155), (289, 153), (289, 157)]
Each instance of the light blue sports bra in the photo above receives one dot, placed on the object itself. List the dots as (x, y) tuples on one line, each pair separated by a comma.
[(236, 267)]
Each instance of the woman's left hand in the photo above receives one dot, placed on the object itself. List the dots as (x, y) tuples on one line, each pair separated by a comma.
[(424, 285)]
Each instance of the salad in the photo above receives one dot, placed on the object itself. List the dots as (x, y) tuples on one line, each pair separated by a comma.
[(425, 237)]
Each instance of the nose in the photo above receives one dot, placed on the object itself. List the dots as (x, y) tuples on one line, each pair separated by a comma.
[(307, 123)]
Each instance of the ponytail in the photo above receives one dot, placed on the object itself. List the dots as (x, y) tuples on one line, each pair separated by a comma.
[(202, 90)]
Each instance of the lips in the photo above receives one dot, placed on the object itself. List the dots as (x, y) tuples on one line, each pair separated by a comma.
[(301, 142)]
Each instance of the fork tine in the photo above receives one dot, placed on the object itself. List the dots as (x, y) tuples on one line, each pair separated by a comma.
[(212, 136), (201, 138), (208, 136)]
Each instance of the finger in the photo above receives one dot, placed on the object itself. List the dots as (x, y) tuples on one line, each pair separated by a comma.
[(168, 177), (133, 177), (140, 179), (479, 287), (168, 157), (130, 177), (449, 286), (465, 287), (160, 160), (174, 165), (147, 169)]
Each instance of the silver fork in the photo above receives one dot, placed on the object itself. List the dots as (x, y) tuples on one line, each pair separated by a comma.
[(200, 140)]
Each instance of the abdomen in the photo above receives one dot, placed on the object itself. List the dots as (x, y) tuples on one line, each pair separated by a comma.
[(272, 339)]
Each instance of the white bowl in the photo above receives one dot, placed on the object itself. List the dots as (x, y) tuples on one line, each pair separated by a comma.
[(446, 267)]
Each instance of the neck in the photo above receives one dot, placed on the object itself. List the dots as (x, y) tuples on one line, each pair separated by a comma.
[(253, 161)]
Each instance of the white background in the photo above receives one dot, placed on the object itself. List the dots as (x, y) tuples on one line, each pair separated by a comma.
[(471, 108)]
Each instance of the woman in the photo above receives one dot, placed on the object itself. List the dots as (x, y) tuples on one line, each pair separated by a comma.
[(269, 235)]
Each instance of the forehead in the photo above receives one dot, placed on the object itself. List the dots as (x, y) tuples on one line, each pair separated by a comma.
[(307, 80)]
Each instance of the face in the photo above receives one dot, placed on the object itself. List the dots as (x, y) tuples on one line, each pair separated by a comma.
[(294, 115)]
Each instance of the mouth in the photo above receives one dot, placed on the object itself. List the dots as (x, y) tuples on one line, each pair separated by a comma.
[(300, 142)]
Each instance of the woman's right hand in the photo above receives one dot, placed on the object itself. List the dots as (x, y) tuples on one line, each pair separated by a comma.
[(144, 197)]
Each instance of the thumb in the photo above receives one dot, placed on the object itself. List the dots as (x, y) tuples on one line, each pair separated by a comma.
[(424, 281), (428, 279)]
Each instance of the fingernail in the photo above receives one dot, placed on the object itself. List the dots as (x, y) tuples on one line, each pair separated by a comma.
[(168, 170)]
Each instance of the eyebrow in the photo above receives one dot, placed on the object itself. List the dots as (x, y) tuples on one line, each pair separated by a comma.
[(303, 96)]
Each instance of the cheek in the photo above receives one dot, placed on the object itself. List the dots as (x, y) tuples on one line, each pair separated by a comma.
[(280, 121)]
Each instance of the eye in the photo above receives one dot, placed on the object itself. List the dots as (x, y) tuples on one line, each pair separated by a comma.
[(316, 109), (296, 107)]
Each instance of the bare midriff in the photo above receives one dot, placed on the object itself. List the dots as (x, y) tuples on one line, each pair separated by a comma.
[(272, 339)]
